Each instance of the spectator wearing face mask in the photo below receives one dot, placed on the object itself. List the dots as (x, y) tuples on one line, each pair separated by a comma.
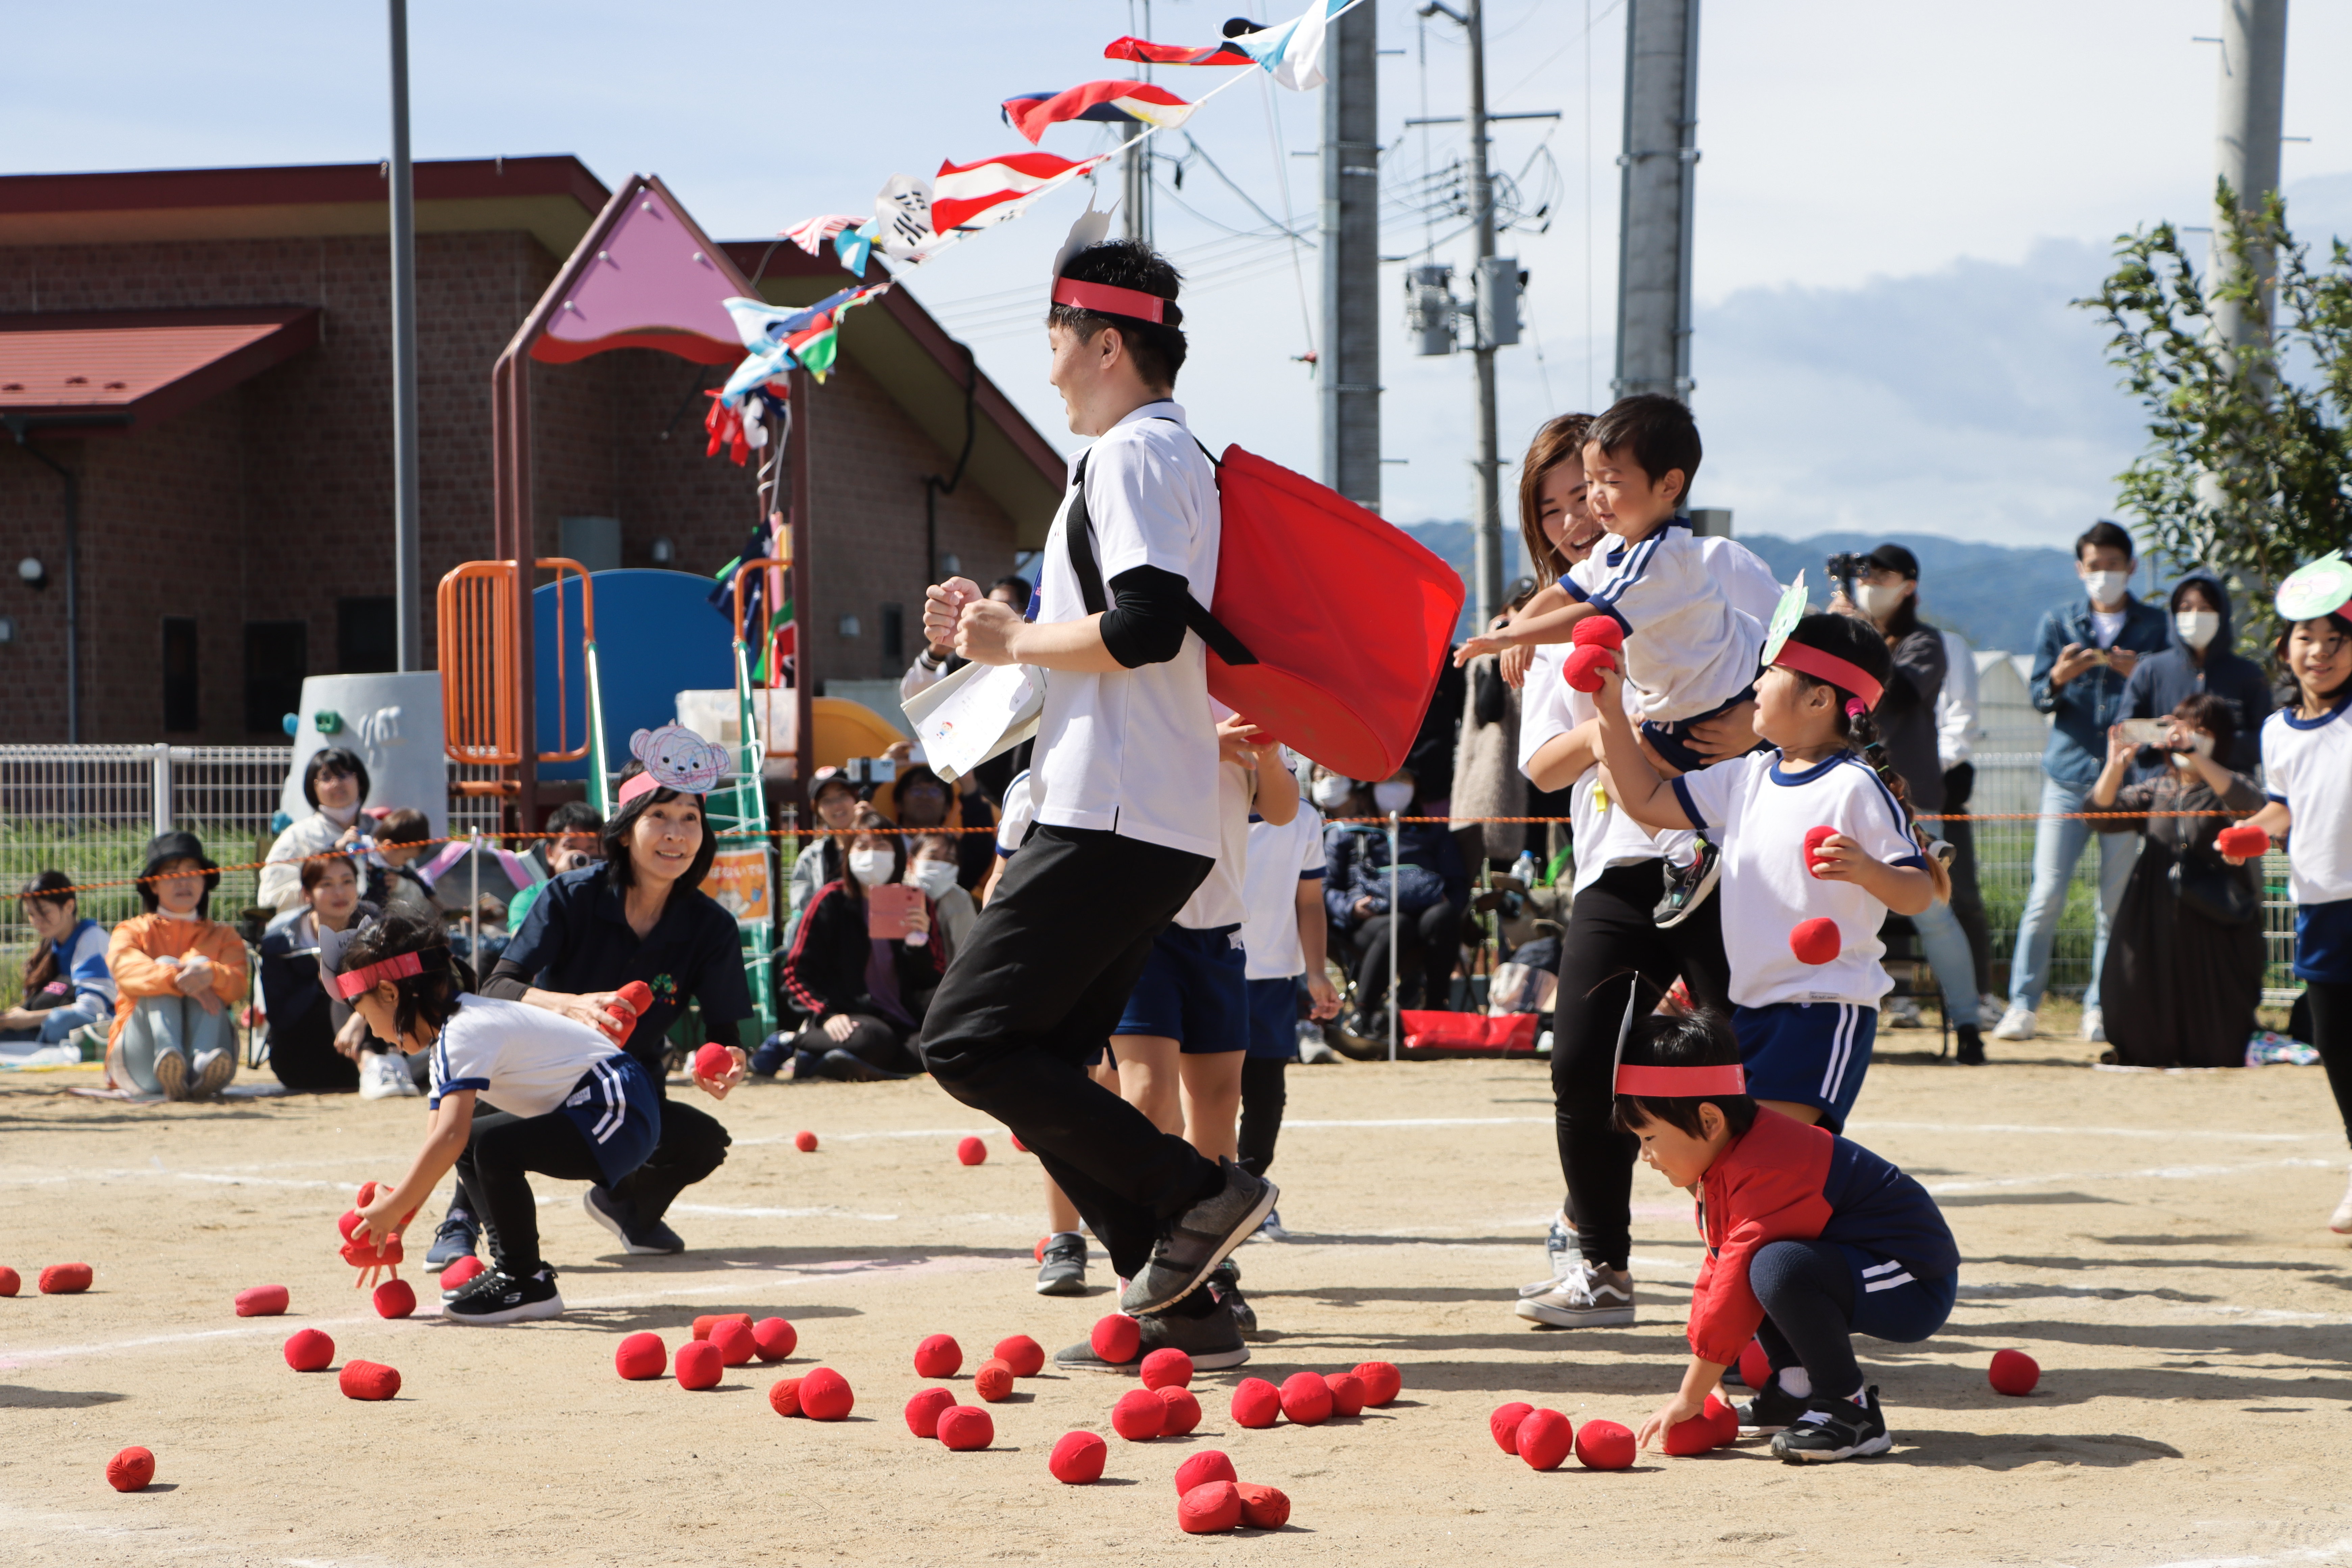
[(1431, 889), (2203, 662), (931, 865), (922, 799)]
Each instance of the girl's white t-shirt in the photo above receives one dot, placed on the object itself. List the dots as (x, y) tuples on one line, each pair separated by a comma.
[(1281, 856), (522, 1059), (1764, 812), (2308, 764)]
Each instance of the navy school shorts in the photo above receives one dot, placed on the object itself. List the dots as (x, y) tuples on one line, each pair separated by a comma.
[(1193, 991), (1808, 1053)]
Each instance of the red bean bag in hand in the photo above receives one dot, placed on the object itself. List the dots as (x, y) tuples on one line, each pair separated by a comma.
[(1581, 669)]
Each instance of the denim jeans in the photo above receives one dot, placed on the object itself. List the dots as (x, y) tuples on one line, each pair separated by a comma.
[(1946, 946), (180, 1024), (2058, 843)]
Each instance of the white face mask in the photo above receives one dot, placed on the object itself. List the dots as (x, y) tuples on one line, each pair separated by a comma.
[(2197, 627), (2106, 587), (1331, 792), (871, 866), (933, 876), (1878, 602), (1392, 797)]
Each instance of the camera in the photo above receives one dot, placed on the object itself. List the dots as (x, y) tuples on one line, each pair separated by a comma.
[(1845, 566)]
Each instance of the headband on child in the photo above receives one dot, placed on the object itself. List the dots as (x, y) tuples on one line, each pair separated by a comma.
[(1839, 673), (1669, 1083), (1110, 300), (675, 758), (2320, 588), (399, 966)]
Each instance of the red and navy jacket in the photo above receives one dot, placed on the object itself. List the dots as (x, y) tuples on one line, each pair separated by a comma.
[(1784, 1181), (824, 973)]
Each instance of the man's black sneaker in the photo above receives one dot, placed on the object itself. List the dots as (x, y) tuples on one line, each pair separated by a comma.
[(460, 1233), (1772, 1408), (1064, 1272), (1969, 1051), (1211, 1341), (1225, 1285), (637, 1236), (1688, 886), (498, 1297), (1835, 1429), (1201, 1238)]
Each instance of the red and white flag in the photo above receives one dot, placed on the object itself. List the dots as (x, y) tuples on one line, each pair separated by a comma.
[(973, 195), (1112, 101), (810, 234)]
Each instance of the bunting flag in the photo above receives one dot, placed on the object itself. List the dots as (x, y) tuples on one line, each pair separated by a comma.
[(1293, 52), (854, 246), (810, 234), (1221, 53), (902, 216), (1117, 101), (973, 195)]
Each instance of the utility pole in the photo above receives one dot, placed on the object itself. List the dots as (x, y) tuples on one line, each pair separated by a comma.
[(1135, 165), (1660, 164), (406, 552), (1486, 523), (1347, 371), (2246, 148)]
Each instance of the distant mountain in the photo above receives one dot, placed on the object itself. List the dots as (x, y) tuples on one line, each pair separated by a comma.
[(1994, 596)]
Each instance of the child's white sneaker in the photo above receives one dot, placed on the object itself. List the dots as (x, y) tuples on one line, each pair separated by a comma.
[(2340, 1222), (384, 1075)]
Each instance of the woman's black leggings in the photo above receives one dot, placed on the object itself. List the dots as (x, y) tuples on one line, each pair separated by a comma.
[(877, 1042), (1612, 940), (2331, 1035), (1426, 950), (1263, 1096), (500, 1152)]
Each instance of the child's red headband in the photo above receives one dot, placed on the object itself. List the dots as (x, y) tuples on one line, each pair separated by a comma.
[(1669, 1083), (399, 966), (1110, 300), (1829, 666)]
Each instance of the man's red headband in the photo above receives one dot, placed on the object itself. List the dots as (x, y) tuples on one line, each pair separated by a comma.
[(1110, 300), (1829, 666), (1681, 1083), (399, 966)]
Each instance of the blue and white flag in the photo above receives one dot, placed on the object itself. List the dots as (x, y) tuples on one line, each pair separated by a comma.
[(1293, 51)]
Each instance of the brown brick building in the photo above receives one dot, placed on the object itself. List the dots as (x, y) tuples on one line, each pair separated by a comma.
[(208, 354)]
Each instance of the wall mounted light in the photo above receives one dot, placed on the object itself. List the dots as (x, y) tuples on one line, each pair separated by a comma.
[(664, 552), (35, 574)]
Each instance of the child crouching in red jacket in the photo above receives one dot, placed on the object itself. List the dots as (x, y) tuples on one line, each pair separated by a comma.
[(1810, 1240)]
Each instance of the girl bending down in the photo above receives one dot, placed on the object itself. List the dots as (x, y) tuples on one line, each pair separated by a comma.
[(571, 1105), (1816, 830)]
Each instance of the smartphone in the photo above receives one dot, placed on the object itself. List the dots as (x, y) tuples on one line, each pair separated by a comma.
[(886, 908), (2146, 731)]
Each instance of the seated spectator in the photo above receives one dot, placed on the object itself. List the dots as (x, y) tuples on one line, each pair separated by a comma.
[(865, 994), (1432, 889), (578, 841), (177, 973), (393, 883), (335, 783), (304, 1048), (931, 865), (922, 799), (67, 983), (834, 799), (2184, 970)]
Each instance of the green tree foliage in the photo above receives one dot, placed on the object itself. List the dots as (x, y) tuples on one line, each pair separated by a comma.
[(2249, 466)]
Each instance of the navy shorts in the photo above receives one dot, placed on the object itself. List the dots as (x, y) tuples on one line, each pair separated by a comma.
[(1808, 1053), (1891, 1303), (618, 1111), (1192, 990), (1273, 1019), (1672, 740)]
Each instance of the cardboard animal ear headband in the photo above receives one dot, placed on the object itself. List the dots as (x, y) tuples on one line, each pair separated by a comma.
[(675, 758), (2321, 588), (1669, 1083), (358, 982), (1104, 299)]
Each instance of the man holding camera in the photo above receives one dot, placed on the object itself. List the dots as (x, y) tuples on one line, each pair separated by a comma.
[(2084, 656)]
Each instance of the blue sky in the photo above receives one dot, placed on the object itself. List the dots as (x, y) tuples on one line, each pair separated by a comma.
[(1893, 204)]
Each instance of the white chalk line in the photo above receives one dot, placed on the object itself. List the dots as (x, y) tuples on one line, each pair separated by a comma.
[(1992, 1127), (2298, 1555), (2155, 1174)]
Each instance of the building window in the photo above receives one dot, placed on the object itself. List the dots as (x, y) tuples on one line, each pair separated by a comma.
[(276, 657), (367, 636), (894, 638), (179, 674)]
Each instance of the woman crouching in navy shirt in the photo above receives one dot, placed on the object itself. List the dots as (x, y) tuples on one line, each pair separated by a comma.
[(640, 915)]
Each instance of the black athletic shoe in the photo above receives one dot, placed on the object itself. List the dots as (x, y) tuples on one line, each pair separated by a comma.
[(850, 1068), (1688, 886), (637, 1236), (1201, 1238), (1773, 1408), (1835, 1429), (1211, 1341), (1969, 1052), (460, 1233), (497, 1297), (1225, 1285), (1064, 1272)]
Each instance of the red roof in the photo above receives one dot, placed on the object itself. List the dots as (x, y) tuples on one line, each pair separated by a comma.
[(114, 369)]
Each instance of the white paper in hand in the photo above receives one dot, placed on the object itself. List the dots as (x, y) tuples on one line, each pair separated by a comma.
[(975, 713)]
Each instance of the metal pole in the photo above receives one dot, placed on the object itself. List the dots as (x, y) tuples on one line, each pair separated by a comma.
[(1395, 985), (1488, 521), (1348, 371), (2246, 147), (1657, 194), (159, 786), (406, 552), (474, 907)]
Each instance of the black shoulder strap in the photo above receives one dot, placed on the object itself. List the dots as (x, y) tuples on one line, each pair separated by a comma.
[(1097, 598)]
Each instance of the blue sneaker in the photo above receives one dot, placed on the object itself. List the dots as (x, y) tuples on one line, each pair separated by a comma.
[(774, 1052), (460, 1233)]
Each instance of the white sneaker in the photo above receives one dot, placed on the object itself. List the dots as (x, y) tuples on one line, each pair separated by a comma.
[(2017, 1024), (1991, 1007), (1560, 1247), (384, 1075), (2095, 1024), (1316, 1052), (1898, 1013), (1588, 1298), (2340, 1222)]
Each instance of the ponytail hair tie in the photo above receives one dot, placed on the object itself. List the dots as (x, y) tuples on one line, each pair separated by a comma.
[(1857, 708)]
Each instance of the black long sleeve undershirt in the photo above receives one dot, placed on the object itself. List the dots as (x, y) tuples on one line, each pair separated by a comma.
[(1145, 624)]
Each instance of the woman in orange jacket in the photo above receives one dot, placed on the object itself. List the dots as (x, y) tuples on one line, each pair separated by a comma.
[(177, 974)]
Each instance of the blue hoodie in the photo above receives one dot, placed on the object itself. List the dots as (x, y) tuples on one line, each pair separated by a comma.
[(2081, 709), (2162, 683)]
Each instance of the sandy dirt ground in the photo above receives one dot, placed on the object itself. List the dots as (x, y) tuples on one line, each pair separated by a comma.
[(2157, 1241)]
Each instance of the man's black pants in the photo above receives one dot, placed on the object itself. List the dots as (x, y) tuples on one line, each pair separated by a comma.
[(1036, 988)]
